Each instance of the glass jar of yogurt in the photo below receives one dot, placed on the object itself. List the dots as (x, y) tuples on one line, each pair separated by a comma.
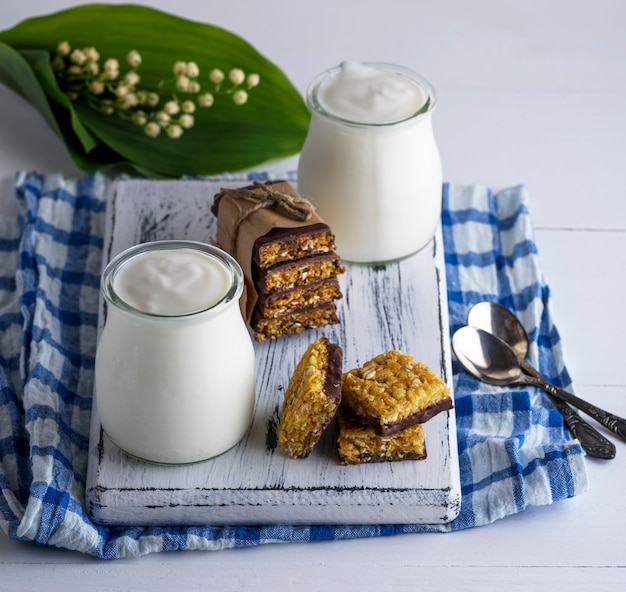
[(370, 163), (174, 377)]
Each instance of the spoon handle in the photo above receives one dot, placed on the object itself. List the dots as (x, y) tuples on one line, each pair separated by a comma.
[(612, 422), (592, 441)]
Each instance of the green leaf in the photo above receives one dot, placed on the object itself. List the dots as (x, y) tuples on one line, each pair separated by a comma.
[(16, 73), (272, 124), (39, 62)]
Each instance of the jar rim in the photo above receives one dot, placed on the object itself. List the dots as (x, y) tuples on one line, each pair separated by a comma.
[(228, 262), (428, 89)]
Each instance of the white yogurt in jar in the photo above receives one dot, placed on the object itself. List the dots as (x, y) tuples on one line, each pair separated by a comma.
[(175, 362), (171, 282), (370, 162), (367, 94)]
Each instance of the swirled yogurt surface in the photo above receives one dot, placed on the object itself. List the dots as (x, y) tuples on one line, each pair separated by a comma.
[(172, 282), (365, 94)]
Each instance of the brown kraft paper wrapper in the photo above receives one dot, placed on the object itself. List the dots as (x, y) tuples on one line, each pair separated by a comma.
[(229, 206)]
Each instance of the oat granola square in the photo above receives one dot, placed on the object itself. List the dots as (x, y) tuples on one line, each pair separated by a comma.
[(393, 391), (358, 443)]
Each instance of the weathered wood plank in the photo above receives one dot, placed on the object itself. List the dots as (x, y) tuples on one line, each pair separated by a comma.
[(401, 305)]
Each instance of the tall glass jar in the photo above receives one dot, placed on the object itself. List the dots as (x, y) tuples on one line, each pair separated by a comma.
[(375, 180), (174, 369)]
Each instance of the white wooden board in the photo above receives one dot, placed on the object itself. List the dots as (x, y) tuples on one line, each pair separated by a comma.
[(395, 306)]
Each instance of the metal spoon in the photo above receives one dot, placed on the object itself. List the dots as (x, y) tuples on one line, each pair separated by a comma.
[(491, 360), (501, 322)]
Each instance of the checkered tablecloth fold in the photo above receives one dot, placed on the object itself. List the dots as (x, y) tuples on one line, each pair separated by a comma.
[(514, 451)]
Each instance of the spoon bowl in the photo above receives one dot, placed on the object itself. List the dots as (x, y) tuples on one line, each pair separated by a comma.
[(486, 357), (501, 322)]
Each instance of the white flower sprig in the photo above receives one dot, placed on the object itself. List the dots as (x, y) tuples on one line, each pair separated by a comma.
[(109, 91)]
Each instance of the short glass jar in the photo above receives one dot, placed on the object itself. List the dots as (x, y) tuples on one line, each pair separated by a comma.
[(175, 377), (377, 182)]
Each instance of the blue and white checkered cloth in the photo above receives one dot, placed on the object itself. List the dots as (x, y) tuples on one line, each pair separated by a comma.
[(514, 450)]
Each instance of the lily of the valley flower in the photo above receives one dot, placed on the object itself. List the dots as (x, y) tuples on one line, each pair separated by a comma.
[(134, 59), (236, 76), (216, 76), (206, 100), (108, 90), (253, 80), (240, 97)]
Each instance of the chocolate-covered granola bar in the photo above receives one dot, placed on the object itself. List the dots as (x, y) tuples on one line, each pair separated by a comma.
[(279, 303), (393, 392), (293, 322), (291, 274), (289, 244), (312, 398)]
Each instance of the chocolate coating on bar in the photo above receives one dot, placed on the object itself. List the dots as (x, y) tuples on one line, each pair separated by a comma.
[(334, 371), (290, 243), (419, 417), (278, 234)]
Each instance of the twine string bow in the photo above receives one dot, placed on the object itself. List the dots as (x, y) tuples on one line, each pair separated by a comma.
[(263, 196)]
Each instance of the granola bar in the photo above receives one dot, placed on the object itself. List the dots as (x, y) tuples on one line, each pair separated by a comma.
[(288, 244), (393, 391), (291, 274), (293, 322), (279, 303), (311, 399), (358, 443)]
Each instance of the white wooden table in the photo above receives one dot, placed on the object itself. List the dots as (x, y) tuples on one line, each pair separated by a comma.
[(531, 93)]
